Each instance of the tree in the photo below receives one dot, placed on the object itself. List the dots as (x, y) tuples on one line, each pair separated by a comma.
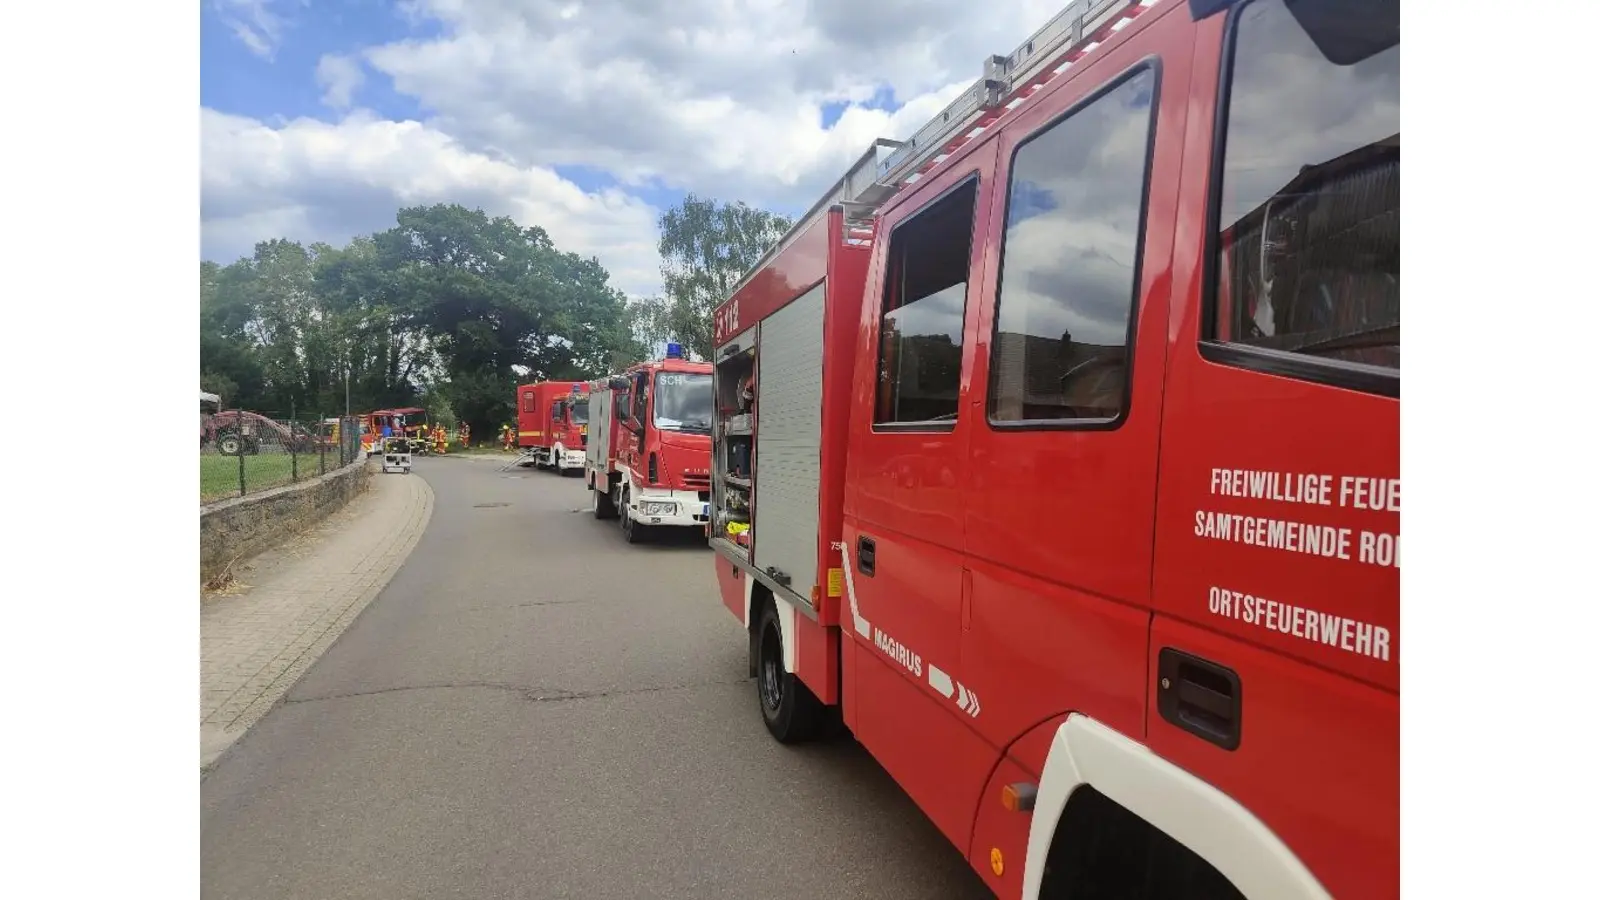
[(444, 311), (706, 247), (490, 295)]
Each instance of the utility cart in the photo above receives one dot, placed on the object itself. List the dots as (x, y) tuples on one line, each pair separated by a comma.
[(397, 455)]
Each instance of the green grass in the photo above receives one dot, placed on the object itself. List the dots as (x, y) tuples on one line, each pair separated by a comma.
[(219, 475)]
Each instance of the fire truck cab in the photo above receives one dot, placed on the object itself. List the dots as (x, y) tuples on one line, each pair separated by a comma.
[(1057, 457), (553, 423), (648, 462)]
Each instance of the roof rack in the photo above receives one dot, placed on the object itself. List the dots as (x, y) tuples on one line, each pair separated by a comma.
[(1005, 82)]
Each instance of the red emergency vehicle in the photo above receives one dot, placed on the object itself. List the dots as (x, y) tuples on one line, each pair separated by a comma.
[(1057, 455), (648, 461), (553, 422), (405, 422)]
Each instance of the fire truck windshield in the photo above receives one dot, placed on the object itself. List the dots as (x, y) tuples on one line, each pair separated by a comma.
[(579, 410), (683, 402)]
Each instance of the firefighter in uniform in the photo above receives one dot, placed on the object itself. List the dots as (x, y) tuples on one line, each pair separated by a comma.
[(440, 445), (464, 435), (505, 438)]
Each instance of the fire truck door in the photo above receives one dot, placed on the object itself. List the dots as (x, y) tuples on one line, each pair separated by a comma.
[(1278, 525), (631, 453), (1059, 507), (902, 514)]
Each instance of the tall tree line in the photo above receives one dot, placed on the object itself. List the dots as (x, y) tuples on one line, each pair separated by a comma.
[(451, 309), (434, 312)]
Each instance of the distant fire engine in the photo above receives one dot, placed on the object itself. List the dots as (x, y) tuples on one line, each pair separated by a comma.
[(407, 423), (553, 423), (648, 461), (1057, 455)]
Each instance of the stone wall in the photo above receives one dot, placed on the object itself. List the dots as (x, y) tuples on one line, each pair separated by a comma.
[(240, 527)]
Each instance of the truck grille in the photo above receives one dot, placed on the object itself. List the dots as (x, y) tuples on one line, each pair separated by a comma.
[(697, 482)]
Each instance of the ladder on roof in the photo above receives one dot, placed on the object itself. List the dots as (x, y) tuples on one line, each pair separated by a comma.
[(1003, 76), (888, 166)]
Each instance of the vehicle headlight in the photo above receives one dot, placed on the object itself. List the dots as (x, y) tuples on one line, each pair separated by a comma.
[(655, 508)]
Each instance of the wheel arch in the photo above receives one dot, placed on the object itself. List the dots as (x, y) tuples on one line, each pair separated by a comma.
[(1209, 823), (758, 597)]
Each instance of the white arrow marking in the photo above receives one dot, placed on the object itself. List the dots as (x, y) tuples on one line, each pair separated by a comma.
[(863, 628), (967, 701)]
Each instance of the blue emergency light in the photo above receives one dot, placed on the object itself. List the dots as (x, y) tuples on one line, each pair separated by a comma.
[(674, 350), (577, 389)]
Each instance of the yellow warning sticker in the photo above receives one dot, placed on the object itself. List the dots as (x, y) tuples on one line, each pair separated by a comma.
[(835, 582)]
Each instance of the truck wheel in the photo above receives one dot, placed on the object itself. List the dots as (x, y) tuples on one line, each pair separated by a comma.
[(791, 712), (632, 531), (602, 505)]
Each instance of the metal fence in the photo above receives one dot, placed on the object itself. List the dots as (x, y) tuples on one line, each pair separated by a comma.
[(249, 452)]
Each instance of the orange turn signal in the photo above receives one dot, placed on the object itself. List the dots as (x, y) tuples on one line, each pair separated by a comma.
[(1018, 797)]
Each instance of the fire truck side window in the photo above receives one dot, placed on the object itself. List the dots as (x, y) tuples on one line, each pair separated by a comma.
[(1069, 268), (1306, 262), (924, 306), (555, 411), (639, 399)]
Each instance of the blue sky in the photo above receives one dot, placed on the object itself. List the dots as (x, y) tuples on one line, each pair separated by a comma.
[(236, 79), (585, 117)]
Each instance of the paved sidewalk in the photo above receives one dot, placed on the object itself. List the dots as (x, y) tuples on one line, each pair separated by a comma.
[(293, 602)]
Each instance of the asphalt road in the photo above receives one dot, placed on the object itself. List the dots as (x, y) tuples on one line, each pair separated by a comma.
[(534, 709)]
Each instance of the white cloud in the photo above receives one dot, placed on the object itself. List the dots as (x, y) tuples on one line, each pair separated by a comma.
[(717, 96), (256, 23), (313, 180), (340, 77), (721, 97)]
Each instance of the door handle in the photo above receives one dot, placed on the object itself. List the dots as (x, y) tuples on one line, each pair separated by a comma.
[(1201, 697), (866, 555)]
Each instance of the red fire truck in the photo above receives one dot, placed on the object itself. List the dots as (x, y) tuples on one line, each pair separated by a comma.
[(408, 422), (553, 423), (1102, 366), (648, 461)]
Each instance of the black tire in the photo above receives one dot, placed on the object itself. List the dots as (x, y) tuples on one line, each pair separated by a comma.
[(632, 531), (790, 711), (601, 504), (229, 444)]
